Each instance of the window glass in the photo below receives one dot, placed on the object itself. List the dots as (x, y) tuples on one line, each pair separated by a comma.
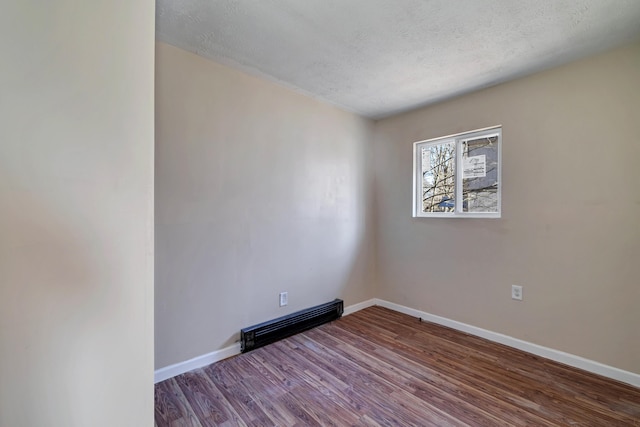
[(438, 177), (480, 175)]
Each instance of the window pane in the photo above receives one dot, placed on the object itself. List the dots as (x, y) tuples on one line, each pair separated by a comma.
[(438, 177), (480, 175)]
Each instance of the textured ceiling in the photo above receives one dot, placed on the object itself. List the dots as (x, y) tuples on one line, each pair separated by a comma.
[(381, 57)]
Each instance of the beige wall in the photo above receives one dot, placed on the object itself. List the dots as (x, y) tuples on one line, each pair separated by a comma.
[(570, 231), (76, 213), (258, 190)]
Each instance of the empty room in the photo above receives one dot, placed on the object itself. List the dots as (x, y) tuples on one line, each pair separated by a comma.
[(320, 213), (285, 163)]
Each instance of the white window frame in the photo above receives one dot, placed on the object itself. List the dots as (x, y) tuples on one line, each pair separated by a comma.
[(458, 139)]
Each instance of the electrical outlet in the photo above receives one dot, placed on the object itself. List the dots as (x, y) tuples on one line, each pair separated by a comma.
[(284, 298), (516, 292)]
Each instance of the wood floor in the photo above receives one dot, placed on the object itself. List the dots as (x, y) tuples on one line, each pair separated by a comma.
[(381, 368)]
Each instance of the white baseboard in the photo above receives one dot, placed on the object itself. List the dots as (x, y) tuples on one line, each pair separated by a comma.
[(195, 363), (357, 307), (218, 355), (549, 353)]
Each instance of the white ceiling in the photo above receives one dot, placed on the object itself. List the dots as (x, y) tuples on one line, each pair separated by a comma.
[(380, 57)]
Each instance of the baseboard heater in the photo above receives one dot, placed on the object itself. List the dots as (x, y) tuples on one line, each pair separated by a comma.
[(285, 326)]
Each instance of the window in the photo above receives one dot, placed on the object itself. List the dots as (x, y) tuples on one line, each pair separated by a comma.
[(458, 175)]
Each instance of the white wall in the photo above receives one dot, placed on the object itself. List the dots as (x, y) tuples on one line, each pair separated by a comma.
[(258, 190), (570, 231), (76, 213)]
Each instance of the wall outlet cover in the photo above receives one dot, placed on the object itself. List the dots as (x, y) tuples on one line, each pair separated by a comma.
[(516, 292), (284, 299)]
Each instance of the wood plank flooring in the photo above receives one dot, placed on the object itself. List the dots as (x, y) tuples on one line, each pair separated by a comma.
[(381, 368)]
